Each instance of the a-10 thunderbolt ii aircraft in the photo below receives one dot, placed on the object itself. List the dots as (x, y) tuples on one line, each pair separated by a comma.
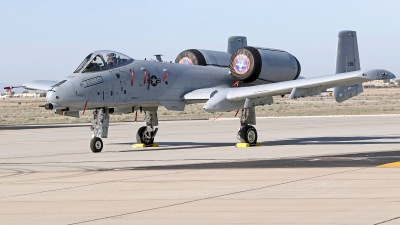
[(243, 77)]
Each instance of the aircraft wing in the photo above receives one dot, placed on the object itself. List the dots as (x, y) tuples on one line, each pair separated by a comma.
[(309, 86), (44, 85), (229, 99)]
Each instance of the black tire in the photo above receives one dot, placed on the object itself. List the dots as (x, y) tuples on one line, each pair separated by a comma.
[(96, 145), (249, 134), (194, 55), (141, 138), (253, 68)]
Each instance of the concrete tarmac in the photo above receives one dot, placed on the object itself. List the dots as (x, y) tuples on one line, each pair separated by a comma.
[(309, 170)]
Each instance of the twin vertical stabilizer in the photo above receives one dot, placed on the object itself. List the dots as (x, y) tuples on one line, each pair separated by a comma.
[(347, 60), (236, 42)]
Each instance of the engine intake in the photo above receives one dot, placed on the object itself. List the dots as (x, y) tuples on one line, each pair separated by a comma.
[(248, 64)]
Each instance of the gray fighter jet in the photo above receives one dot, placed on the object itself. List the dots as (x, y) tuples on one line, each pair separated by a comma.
[(243, 77)]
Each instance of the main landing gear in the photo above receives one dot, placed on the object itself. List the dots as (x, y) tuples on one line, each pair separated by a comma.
[(145, 135), (247, 133), (99, 127)]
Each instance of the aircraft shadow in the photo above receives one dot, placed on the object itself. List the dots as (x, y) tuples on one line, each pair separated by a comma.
[(176, 146), (34, 127), (334, 140), (370, 159), (352, 140)]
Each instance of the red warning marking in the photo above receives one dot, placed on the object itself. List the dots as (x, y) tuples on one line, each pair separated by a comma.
[(132, 76), (165, 76), (219, 116), (84, 109), (235, 84), (237, 112)]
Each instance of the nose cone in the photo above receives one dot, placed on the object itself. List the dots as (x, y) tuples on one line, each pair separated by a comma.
[(61, 93), (51, 96)]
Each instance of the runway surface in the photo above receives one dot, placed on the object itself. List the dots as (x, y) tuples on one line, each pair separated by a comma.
[(309, 170)]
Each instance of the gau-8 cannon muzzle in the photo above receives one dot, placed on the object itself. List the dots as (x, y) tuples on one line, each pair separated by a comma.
[(51, 106)]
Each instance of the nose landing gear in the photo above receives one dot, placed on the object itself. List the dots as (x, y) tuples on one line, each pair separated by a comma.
[(99, 127)]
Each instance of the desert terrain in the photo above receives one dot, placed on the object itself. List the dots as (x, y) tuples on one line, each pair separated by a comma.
[(373, 101)]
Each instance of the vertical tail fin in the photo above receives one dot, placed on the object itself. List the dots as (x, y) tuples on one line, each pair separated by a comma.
[(347, 60), (236, 42)]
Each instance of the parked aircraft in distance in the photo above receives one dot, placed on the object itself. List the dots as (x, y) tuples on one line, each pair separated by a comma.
[(243, 77), (9, 93)]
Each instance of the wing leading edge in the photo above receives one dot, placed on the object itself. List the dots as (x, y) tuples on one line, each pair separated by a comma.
[(44, 85), (322, 82)]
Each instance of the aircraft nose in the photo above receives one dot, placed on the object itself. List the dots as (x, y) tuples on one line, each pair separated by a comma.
[(51, 96)]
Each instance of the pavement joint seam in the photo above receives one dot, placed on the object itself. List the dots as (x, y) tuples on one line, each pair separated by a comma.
[(387, 220), (217, 196), (86, 185)]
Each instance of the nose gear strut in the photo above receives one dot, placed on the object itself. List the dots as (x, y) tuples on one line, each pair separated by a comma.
[(100, 123)]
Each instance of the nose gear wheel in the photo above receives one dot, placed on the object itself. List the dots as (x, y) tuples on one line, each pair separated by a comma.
[(96, 145)]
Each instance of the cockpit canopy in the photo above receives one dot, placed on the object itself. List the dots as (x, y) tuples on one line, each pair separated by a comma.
[(103, 60)]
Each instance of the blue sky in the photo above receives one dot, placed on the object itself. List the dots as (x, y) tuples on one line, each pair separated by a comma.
[(48, 39)]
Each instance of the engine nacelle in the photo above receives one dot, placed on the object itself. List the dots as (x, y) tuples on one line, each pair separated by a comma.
[(203, 58), (267, 65)]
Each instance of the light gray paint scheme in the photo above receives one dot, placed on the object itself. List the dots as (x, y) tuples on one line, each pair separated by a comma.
[(116, 92), (185, 84), (237, 96)]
